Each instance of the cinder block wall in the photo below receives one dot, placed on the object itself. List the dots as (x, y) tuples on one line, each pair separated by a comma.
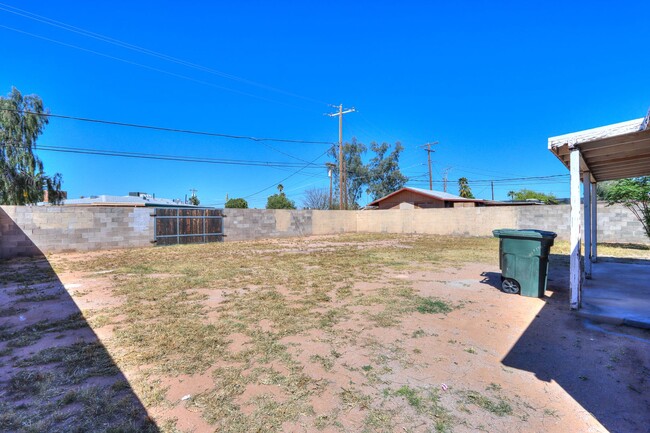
[(245, 224), (615, 223), (30, 230)]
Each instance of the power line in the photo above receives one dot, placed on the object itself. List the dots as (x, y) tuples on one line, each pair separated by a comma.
[(151, 68), (179, 158), (291, 175), (161, 128), (113, 41)]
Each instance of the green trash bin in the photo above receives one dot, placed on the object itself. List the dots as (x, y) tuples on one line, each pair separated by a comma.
[(523, 259)]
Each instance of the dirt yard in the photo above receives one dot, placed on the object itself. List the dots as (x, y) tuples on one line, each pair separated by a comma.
[(359, 333)]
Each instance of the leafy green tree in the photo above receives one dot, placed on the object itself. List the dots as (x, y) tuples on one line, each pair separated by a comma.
[(527, 194), (634, 194), (355, 172), (22, 179), (279, 200), (464, 189), (384, 175), (602, 189), (237, 203), (194, 200)]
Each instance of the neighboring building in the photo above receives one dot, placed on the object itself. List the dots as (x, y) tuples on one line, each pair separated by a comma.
[(417, 198), (134, 199)]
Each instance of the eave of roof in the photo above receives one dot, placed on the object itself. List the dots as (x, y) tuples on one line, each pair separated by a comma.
[(616, 151), (433, 194)]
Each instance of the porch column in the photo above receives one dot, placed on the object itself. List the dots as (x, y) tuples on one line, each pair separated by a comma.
[(586, 187), (574, 266), (594, 223)]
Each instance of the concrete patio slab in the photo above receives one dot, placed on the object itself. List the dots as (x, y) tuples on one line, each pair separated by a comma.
[(618, 293)]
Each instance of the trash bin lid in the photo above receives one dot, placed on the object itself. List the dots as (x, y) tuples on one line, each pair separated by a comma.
[(526, 233)]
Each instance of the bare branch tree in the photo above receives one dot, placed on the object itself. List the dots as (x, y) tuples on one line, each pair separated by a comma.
[(316, 198)]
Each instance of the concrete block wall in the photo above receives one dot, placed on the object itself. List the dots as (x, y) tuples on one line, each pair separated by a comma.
[(30, 230), (248, 224), (615, 223), (445, 221)]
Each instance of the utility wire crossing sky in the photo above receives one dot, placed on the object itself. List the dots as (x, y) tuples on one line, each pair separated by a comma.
[(489, 82)]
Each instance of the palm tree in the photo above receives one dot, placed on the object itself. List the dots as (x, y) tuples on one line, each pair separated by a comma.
[(464, 189)]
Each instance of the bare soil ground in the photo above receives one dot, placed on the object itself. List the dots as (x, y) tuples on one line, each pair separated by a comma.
[(374, 333)]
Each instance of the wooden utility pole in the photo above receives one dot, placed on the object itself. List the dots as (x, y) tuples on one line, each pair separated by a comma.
[(427, 148), (444, 178), (342, 179), (492, 183)]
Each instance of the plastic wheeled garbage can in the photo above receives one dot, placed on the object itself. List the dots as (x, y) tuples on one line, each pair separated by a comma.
[(523, 259)]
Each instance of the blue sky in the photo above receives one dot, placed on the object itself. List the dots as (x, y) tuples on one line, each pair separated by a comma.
[(491, 81)]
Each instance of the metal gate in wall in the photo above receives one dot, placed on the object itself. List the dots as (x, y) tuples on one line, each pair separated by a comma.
[(187, 226)]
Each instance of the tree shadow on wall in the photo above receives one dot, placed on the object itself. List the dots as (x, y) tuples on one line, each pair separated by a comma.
[(605, 369), (55, 374)]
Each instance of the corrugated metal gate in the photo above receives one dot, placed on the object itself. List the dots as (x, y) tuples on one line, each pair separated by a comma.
[(187, 226)]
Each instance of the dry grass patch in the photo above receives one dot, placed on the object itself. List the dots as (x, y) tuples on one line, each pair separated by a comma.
[(327, 291)]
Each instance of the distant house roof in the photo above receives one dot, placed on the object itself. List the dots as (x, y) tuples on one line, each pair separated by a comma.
[(439, 195), (130, 201)]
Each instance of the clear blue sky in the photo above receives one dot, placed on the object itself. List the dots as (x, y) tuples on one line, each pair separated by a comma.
[(491, 81)]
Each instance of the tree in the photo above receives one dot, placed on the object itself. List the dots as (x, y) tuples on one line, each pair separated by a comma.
[(464, 189), (316, 198), (279, 200), (602, 189), (634, 194), (22, 179), (527, 194), (237, 203), (511, 194), (354, 171), (194, 200), (384, 175)]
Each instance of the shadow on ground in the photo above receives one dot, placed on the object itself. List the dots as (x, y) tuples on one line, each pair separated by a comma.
[(605, 368), (55, 374)]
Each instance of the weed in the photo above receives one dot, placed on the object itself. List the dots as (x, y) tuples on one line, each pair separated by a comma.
[(379, 421), (411, 395), (433, 306), (499, 407), (325, 361), (493, 387), (551, 412), (352, 398), (471, 350), (418, 333), (29, 382), (78, 361)]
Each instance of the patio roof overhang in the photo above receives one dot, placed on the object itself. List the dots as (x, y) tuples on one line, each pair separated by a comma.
[(617, 151)]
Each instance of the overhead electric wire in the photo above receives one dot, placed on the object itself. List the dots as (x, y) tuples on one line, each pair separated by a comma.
[(179, 158), (290, 176), (165, 129), (113, 41), (152, 68)]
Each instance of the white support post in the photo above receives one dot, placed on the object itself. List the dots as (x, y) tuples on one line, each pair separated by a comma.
[(574, 265), (586, 187), (594, 223)]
